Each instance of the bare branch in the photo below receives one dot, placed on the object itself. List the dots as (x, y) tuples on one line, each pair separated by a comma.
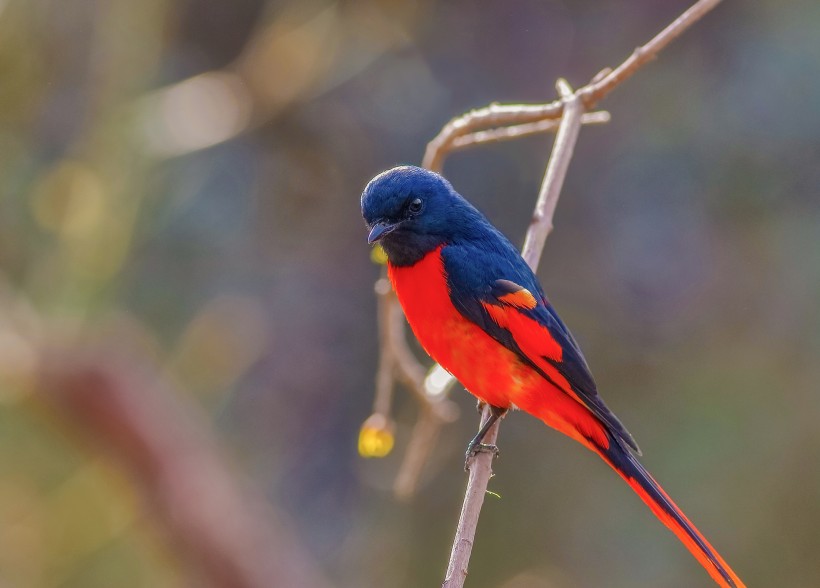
[(463, 129), (398, 361), (422, 442), (517, 131), (408, 368), (481, 464), (541, 225), (387, 361), (593, 92), (481, 469), (494, 115), (497, 115)]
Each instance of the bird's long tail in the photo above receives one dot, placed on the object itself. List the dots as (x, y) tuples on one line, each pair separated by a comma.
[(631, 470)]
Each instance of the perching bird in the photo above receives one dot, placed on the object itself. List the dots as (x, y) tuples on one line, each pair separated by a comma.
[(477, 308)]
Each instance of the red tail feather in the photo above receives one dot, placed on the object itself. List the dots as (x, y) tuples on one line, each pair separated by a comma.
[(631, 470), (560, 412)]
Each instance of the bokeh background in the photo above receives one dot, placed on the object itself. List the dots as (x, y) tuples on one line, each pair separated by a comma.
[(185, 175)]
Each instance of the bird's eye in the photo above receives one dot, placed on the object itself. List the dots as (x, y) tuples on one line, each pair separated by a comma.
[(415, 206)]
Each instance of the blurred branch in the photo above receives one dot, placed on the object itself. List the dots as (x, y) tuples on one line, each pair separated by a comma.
[(504, 115), (435, 410), (387, 362), (397, 362), (265, 79), (422, 442), (226, 529)]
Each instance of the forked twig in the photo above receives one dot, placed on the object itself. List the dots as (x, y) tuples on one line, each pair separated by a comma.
[(523, 130), (501, 115)]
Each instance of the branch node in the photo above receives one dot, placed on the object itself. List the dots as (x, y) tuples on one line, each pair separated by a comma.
[(564, 89), (382, 287), (601, 75)]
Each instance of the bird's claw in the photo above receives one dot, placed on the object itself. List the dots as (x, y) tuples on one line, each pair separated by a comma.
[(476, 448)]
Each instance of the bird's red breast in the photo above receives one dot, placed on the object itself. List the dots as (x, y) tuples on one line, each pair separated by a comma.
[(486, 368), (490, 371)]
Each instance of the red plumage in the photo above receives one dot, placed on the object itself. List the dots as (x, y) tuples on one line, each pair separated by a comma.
[(478, 309), (488, 370), (497, 376)]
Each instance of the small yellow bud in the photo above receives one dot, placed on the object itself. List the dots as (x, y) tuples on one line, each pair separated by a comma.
[(376, 436), (378, 255)]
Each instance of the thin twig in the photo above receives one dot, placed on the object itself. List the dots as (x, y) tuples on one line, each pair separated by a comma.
[(494, 115), (498, 115), (408, 368), (517, 131), (520, 115), (422, 442), (541, 225), (593, 92), (480, 472), (387, 361), (398, 361), (481, 465)]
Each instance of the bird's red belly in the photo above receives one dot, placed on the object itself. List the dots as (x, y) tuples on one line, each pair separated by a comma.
[(487, 369)]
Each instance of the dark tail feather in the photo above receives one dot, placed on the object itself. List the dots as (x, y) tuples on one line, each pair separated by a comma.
[(631, 470)]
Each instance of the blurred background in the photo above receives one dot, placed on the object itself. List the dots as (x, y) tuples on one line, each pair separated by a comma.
[(179, 188)]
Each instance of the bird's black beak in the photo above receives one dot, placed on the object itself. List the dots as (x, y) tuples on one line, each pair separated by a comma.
[(379, 230)]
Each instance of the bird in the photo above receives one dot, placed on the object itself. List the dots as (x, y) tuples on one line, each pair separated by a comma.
[(477, 308)]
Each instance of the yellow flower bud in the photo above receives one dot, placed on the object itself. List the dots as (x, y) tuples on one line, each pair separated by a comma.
[(376, 436), (378, 255)]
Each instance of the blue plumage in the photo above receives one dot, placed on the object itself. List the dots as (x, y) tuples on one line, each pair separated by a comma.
[(478, 308), (476, 255)]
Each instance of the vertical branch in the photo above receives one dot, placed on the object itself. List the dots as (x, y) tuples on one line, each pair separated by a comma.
[(481, 464), (541, 225), (387, 360), (422, 442), (481, 471)]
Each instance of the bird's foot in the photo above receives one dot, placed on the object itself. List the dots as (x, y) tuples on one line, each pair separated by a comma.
[(474, 449)]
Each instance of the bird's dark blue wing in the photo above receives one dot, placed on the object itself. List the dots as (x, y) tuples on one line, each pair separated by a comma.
[(494, 288)]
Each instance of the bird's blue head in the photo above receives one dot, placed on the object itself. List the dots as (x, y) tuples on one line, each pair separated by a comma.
[(411, 211)]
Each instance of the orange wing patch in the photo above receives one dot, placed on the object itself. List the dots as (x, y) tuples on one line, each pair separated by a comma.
[(516, 295), (521, 299)]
